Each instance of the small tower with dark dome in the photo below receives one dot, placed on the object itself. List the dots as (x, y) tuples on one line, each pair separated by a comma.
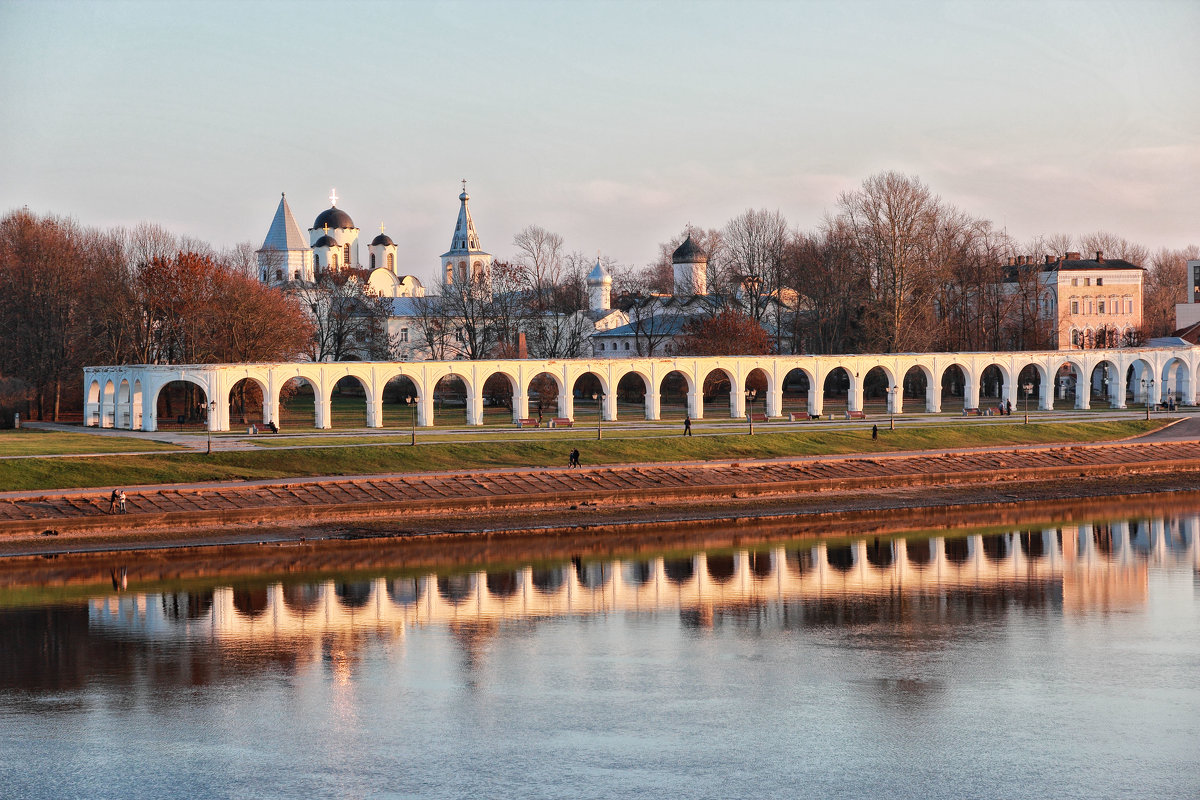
[(382, 252), (691, 267), (334, 239)]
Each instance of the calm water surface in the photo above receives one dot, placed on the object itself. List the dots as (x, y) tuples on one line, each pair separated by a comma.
[(1055, 662)]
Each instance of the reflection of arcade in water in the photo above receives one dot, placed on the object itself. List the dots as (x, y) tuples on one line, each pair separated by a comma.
[(1083, 566)]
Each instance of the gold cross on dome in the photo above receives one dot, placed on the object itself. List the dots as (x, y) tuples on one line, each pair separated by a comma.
[(333, 197), (326, 228), (464, 183), (382, 227)]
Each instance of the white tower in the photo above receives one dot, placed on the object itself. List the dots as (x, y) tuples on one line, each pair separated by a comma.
[(284, 256), (691, 266), (382, 252), (334, 238), (464, 260), (599, 287)]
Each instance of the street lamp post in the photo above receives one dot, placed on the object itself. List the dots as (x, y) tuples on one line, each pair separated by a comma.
[(892, 407), (750, 395), (412, 403), (1028, 387), (599, 398), (1148, 391), (212, 407)]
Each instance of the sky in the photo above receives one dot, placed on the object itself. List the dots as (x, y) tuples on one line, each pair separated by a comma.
[(614, 124)]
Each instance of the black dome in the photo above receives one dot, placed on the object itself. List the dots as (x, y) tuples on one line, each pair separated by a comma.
[(688, 252), (334, 218), (383, 238), (325, 241)]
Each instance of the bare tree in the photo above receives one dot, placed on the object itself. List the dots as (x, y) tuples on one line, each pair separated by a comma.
[(1113, 246), (754, 244), (540, 254), (349, 319), (1166, 284)]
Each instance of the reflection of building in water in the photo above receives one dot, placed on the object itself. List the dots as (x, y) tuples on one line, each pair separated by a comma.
[(1084, 566)]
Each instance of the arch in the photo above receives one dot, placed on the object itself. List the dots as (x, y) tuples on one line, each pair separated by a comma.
[(835, 390), (245, 401), (993, 385), (761, 563), (179, 399), (405, 591), (1031, 385), (800, 562), (301, 598), (796, 387), (957, 549), (503, 584), (399, 401), (876, 383), (297, 401), (544, 390), (589, 390), (348, 400), (955, 383), (1033, 545), (1175, 380), (995, 547), (451, 392), (548, 580), (721, 567), (593, 575), (633, 390), (880, 553), (840, 557), (1069, 377), (1103, 379), (354, 594), (93, 409), (187, 605), (455, 589), (918, 552), (673, 391), (637, 573), (716, 389), (679, 570), (137, 405), (915, 394), (499, 393), (250, 602), (1139, 381), (123, 416), (108, 405)]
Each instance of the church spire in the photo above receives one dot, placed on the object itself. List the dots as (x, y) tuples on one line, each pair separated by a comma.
[(465, 240), (465, 260)]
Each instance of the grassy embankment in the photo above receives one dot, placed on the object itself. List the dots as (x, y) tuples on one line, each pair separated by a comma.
[(31, 441), (131, 470)]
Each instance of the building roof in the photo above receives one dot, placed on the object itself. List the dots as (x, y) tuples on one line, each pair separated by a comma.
[(334, 217), (383, 239), (688, 252), (411, 306), (465, 240), (598, 275), (284, 233), (663, 325), (325, 241)]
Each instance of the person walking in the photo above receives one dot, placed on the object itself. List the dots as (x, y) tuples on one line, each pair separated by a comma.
[(687, 425), (874, 432), (112, 501), (573, 460), (121, 501)]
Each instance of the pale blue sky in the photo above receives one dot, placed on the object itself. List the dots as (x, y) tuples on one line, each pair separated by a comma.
[(614, 123)]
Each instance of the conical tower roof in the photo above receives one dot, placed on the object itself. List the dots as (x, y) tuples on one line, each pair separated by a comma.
[(284, 233), (466, 240)]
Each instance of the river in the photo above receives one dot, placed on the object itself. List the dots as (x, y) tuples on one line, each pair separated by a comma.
[(1057, 660)]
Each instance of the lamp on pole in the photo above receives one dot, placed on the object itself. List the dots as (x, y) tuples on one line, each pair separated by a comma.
[(412, 403), (892, 390), (212, 407), (1028, 387), (750, 395), (599, 398), (1148, 391)]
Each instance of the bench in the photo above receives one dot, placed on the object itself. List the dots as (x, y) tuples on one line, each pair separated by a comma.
[(758, 417), (798, 416), (855, 415), (970, 412), (527, 423), (561, 422)]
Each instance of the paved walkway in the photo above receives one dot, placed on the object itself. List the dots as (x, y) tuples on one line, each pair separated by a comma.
[(427, 490)]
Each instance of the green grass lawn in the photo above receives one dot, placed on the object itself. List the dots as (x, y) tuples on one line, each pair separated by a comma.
[(34, 442), (535, 451)]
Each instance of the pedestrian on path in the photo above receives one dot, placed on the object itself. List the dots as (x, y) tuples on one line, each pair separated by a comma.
[(121, 501), (112, 501), (874, 432), (573, 460), (687, 425)]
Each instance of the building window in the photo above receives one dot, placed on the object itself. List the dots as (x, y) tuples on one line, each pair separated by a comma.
[(1075, 338), (392, 261), (601, 347), (316, 261), (278, 274), (1074, 281), (1074, 306), (404, 334), (333, 262), (627, 345), (297, 275), (1087, 281), (372, 261), (1099, 281), (1128, 306), (1100, 308), (346, 254)]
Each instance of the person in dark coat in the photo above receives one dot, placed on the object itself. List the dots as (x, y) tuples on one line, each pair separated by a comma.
[(573, 461), (687, 425), (874, 432)]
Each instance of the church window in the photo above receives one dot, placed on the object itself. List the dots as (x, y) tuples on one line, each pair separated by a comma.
[(392, 261), (297, 275), (316, 261), (627, 345), (346, 254), (601, 347), (333, 262), (372, 261), (404, 334)]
